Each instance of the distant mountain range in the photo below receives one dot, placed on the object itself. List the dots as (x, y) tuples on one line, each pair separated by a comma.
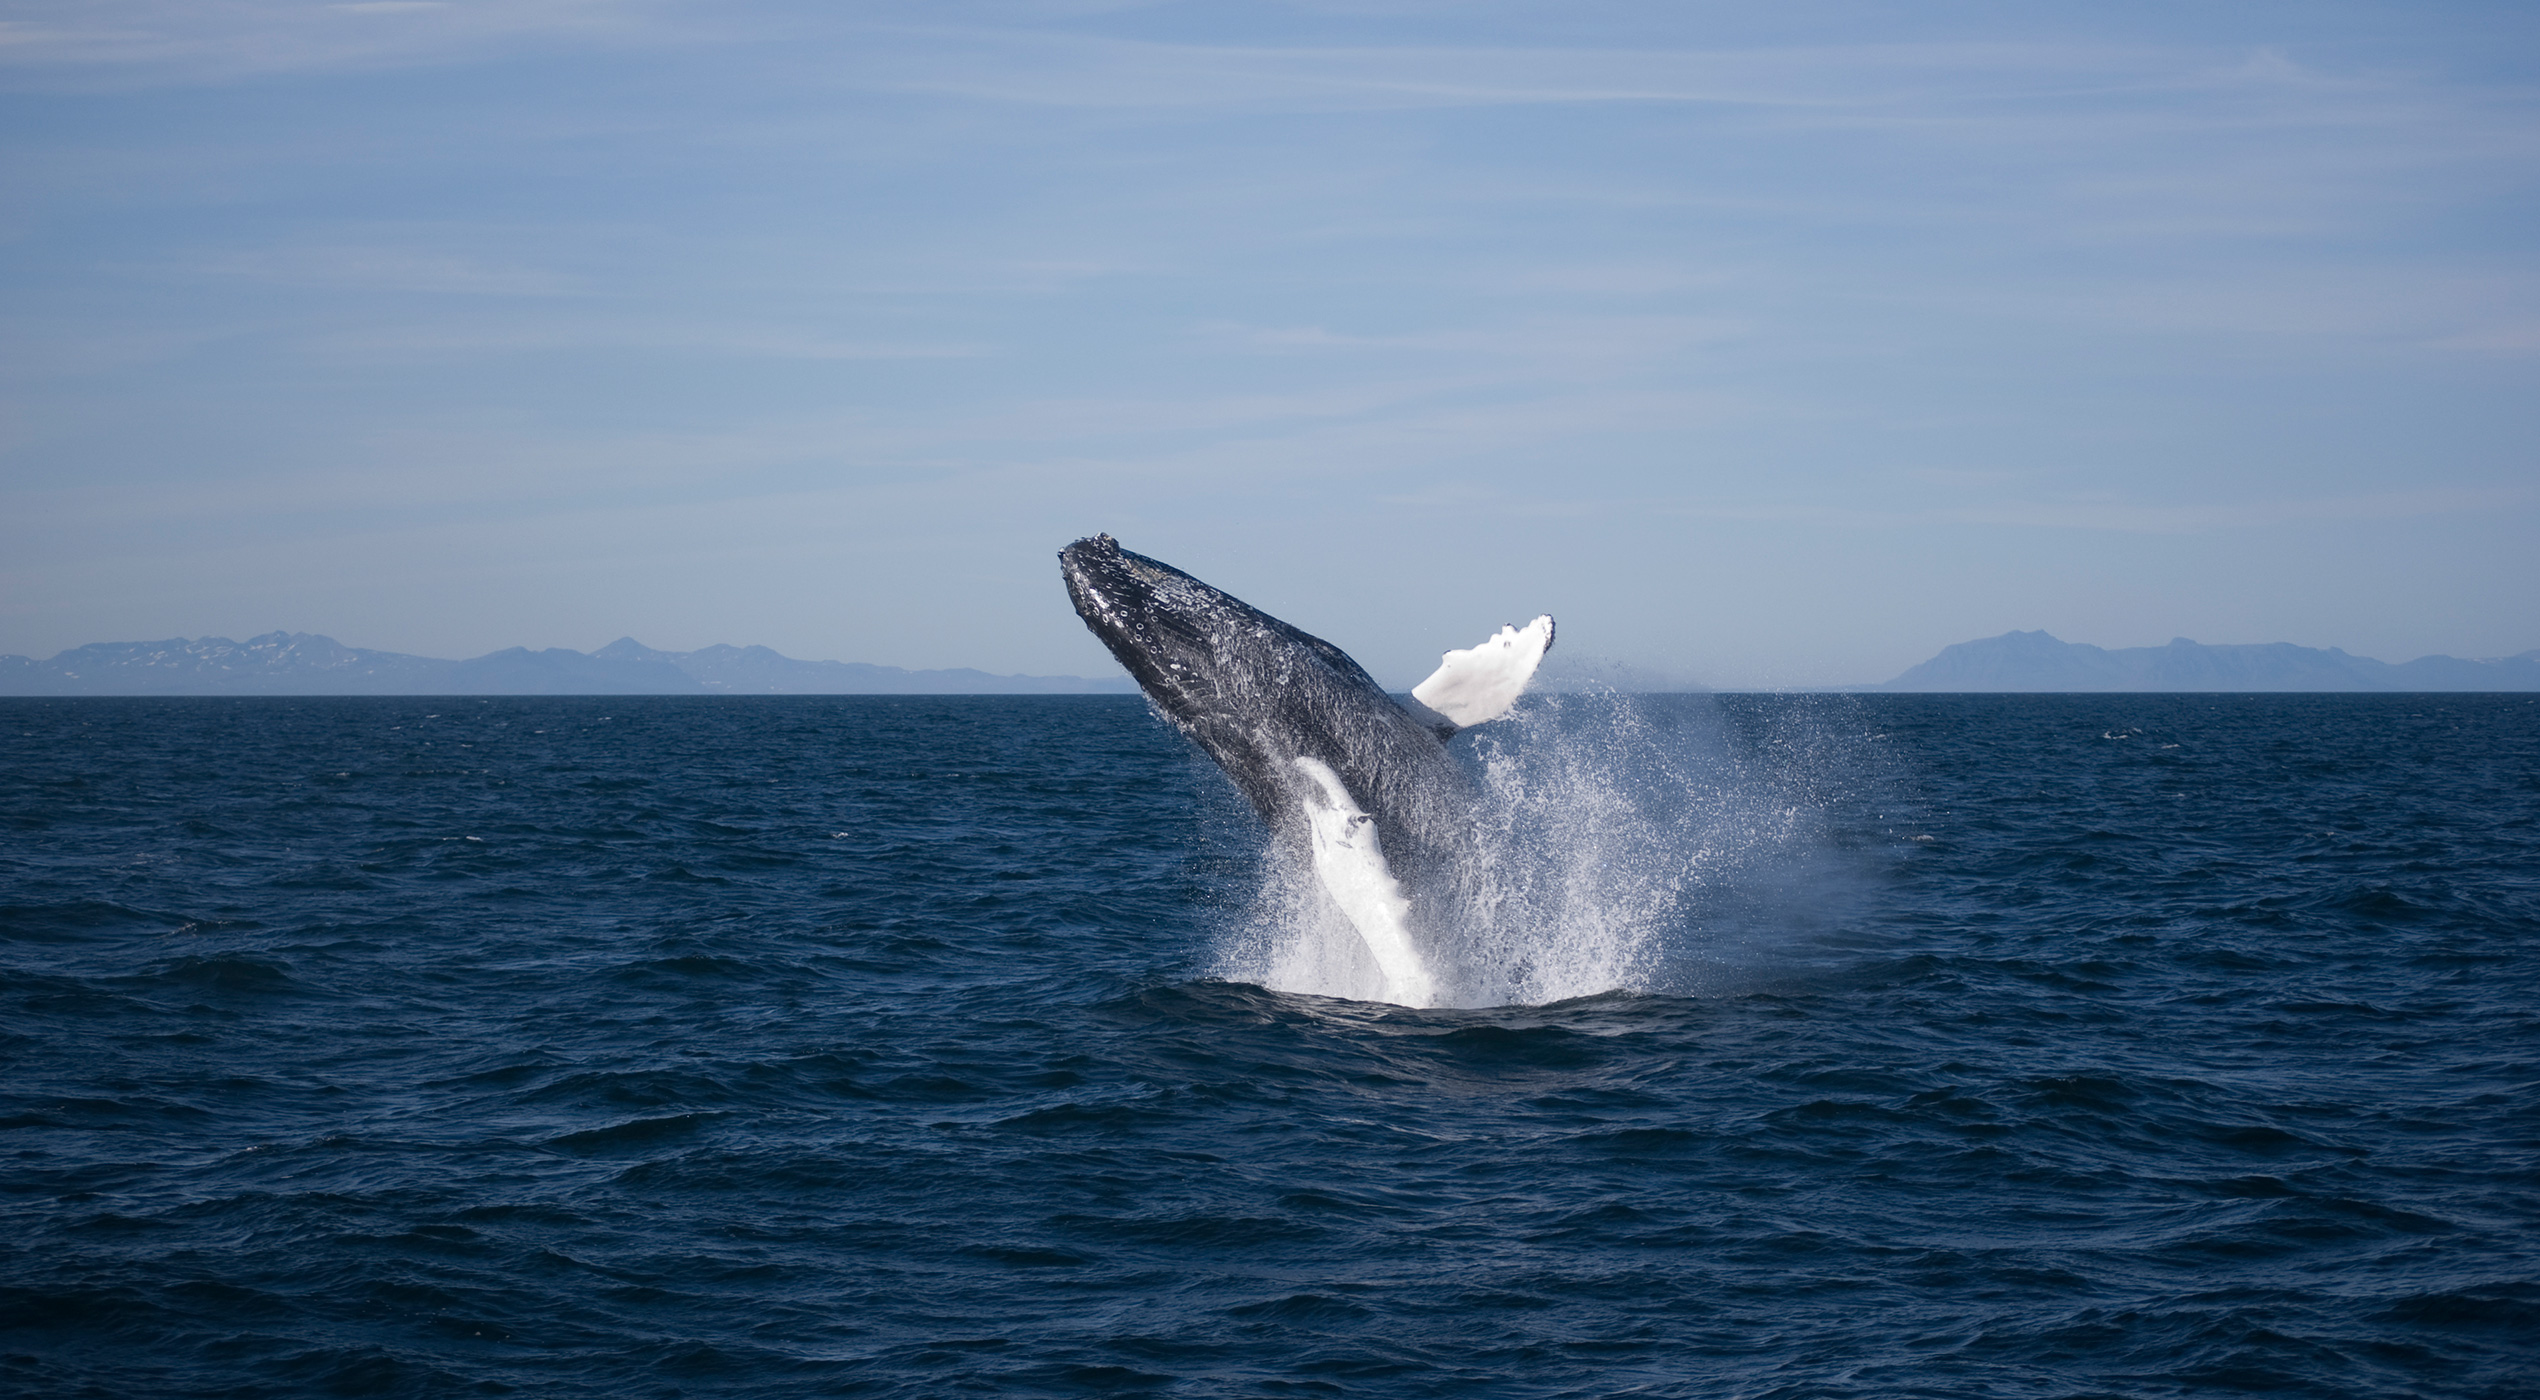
[(2034, 661), (302, 663)]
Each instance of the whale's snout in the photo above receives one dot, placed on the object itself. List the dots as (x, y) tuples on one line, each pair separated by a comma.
[(1115, 592), (1099, 582), (1090, 547), (1089, 555)]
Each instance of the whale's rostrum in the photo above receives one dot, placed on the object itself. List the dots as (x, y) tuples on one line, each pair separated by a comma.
[(1357, 786)]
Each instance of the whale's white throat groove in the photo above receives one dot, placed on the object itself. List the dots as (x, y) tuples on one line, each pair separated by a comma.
[(1357, 784), (1349, 862)]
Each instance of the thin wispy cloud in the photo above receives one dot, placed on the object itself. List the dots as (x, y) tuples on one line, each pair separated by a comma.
[(2132, 517), (682, 340), (1111, 73), (119, 43), (384, 269), (2203, 517)]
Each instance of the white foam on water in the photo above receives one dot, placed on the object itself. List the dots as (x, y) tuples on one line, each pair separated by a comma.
[(1612, 846)]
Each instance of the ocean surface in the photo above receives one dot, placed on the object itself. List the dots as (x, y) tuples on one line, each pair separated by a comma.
[(1814, 1046)]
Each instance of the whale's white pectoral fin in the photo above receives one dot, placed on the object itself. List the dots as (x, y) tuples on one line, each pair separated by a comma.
[(1480, 684), (1351, 864)]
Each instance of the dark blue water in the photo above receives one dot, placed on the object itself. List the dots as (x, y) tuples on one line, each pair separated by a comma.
[(1998, 1046)]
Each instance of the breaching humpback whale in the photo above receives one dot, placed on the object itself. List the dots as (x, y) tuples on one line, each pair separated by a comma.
[(1344, 775)]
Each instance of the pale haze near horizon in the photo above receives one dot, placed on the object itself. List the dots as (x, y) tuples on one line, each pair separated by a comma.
[(1763, 349)]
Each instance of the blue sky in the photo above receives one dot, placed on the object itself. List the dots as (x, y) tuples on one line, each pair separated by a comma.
[(1764, 345)]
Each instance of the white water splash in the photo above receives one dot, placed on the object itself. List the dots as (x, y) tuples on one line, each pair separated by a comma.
[(1617, 842)]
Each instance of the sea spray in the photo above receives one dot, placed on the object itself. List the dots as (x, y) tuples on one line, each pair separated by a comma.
[(1640, 843)]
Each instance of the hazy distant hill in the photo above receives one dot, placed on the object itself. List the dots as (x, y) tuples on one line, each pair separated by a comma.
[(2034, 661), (759, 671), (301, 663)]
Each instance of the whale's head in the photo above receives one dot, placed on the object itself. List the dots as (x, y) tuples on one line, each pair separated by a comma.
[(1202, 655), (1259, 694), (1182, 638), (1165, 626)]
